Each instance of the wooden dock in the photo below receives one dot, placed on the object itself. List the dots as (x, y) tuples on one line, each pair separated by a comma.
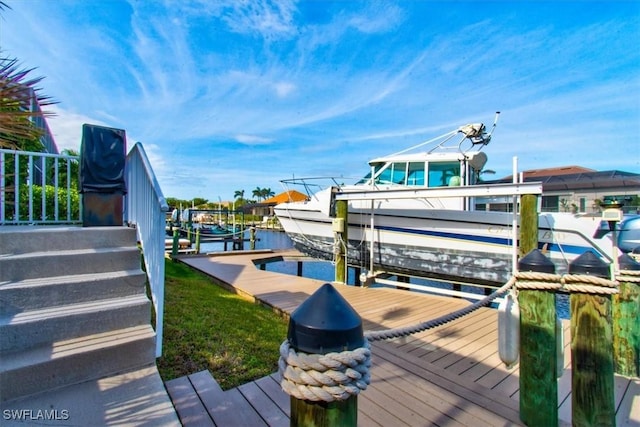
[(450, 375)]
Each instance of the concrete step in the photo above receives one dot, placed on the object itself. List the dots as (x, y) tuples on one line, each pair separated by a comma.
[(48, 325), (133, 398), (24, 239), (34, 294), (34, 265), (62, 363)]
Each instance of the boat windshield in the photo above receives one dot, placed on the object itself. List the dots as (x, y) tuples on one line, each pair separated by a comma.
[(432, 174)]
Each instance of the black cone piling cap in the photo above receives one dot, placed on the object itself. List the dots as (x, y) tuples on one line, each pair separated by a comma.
[(325, 323), (589, 263), (626, 262), (537, 262)]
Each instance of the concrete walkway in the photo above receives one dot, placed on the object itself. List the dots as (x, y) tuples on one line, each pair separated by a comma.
[(136, 398)]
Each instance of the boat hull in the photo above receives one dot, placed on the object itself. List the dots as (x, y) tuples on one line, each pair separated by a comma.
[(454, 245)]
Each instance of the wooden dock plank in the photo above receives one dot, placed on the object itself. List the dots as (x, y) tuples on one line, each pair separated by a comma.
[(432, 398), (271, 386), (480, 397), (190, 409), (218, 403), (628, 413), (262, 403)]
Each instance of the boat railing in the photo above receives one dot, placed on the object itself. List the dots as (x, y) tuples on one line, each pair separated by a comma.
[(312, 185), (38, 188), (145, 209)]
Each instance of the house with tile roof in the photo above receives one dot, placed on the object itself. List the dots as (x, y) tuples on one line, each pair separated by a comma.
[(265, 208), (578, 190)]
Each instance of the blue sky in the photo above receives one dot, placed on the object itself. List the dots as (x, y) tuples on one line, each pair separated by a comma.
[(232, 95)]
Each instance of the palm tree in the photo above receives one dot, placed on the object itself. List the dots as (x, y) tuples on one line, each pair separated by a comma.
[(239, 194), (265, 193), (17, 92), (257, 193)]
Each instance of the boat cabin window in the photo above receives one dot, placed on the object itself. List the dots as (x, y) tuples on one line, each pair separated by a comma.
[(416, 173), (444, 174), (402, 173)]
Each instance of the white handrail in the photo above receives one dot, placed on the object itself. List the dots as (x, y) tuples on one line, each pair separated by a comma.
[(21, 172), (145, 208)]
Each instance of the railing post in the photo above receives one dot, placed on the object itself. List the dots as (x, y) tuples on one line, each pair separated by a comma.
[(592, 399), (538, 361), (626, 312), (328, 333)]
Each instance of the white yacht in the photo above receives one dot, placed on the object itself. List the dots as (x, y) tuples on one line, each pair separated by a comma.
[(397, 228)]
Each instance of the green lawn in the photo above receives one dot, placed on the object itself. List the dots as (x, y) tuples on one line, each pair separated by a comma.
[(207, 327)]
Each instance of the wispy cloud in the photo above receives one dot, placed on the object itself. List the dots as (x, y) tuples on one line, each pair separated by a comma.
[(314, 87)]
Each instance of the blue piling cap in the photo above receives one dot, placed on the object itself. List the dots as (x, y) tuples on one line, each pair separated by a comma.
[(324, 323), (626, 262), (536, 261), (589, 263)]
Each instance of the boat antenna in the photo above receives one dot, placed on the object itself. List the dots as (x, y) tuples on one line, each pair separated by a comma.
[(495, 122)]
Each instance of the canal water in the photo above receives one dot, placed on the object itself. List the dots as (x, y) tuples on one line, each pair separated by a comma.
[(324, 270)]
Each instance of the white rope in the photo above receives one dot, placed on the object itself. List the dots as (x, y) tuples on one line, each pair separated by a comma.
[(324, 377), (581, 283), (409, 330), (629, 276)]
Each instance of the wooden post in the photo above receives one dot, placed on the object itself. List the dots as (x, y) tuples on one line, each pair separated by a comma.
[(174, 247), (592, 399), (198, 241), (626, 312), (322, 324), (538, 361), (341, 257), (528, 223)]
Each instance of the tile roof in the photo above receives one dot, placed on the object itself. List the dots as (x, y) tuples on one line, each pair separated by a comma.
[(287, 196)]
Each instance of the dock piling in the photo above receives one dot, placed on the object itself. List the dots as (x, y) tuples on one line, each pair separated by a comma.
[(538, 385), (340, 227), (592, 397), (626, 311), (324, 363), (175, 244)]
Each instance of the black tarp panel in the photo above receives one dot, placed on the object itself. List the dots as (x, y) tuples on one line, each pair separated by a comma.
[(102, 160)]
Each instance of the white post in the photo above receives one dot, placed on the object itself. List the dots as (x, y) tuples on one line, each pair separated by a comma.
[(514, 224)]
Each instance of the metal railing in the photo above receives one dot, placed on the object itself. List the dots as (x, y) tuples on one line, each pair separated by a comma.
[(38, 188), (145, 209)]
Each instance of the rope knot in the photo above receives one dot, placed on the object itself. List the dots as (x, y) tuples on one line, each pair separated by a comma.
[(324, 377)]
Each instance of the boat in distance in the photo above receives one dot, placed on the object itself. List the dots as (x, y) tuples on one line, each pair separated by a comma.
[(405, 218)]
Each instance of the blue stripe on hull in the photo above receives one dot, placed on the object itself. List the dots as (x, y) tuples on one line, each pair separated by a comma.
[(570, 249)]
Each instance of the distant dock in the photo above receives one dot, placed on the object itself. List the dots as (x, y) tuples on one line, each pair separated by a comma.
[(449, 375)]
